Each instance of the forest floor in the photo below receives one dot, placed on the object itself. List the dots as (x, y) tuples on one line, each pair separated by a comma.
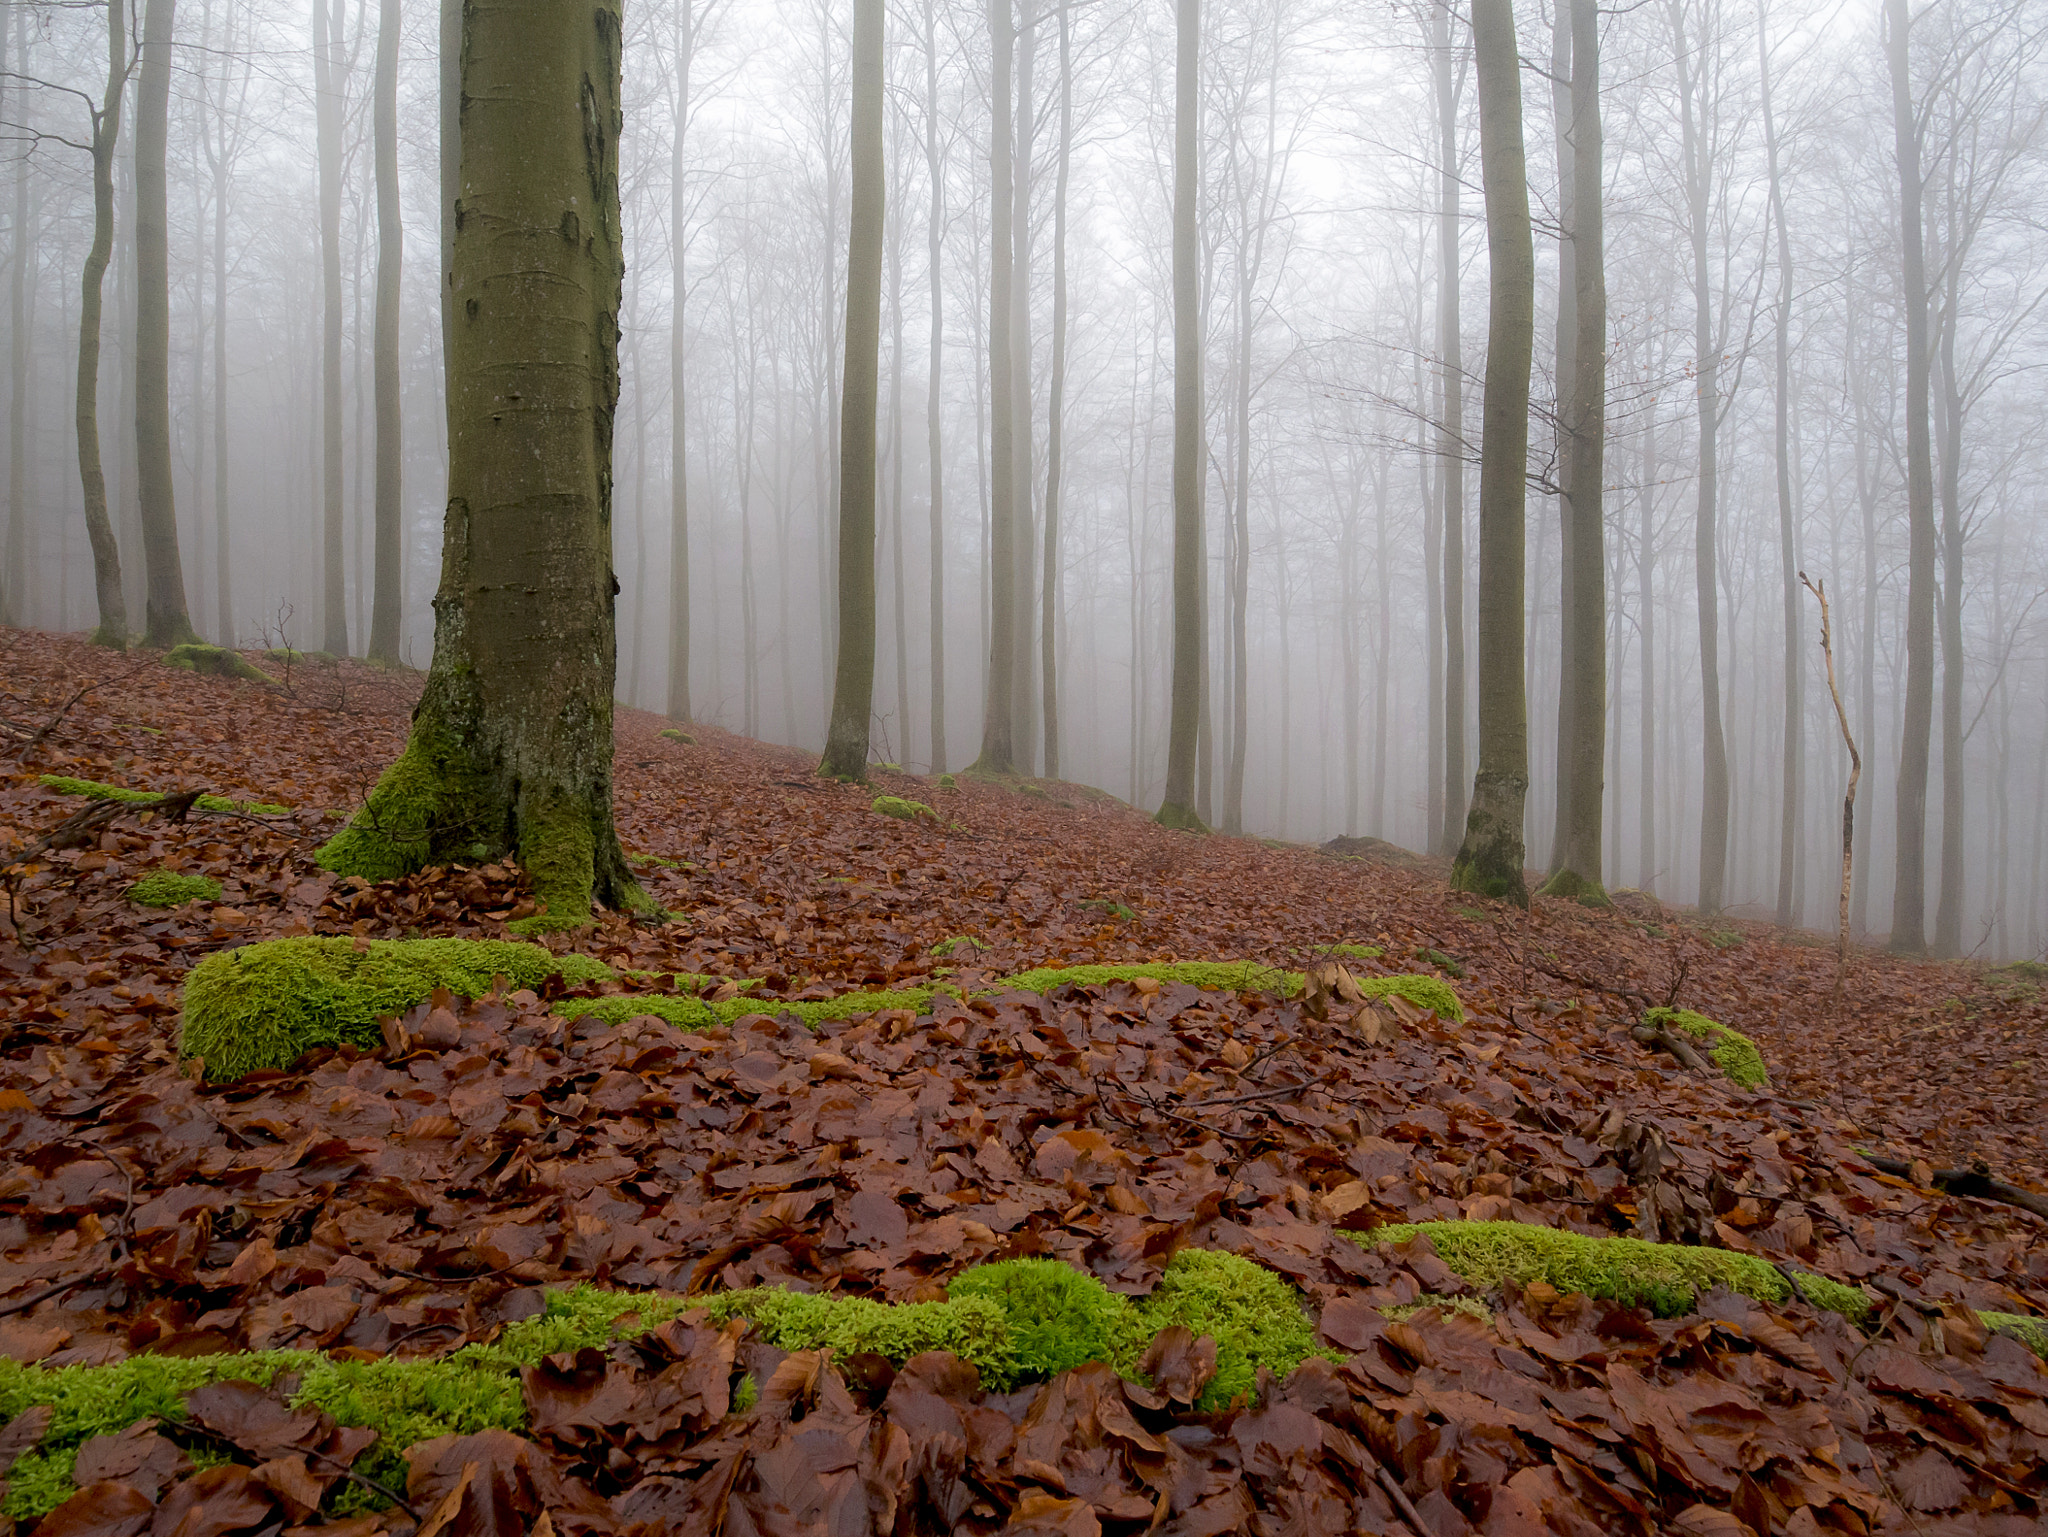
[(408, 1201)]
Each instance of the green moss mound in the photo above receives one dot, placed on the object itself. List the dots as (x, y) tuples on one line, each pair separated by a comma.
[(1231, 976), (1732, 1051), (266, 1005), (903, 810), (167, 888), (1256, 1319), (1057, 1317), (215, 662), (1424, 992), (92, 789), (2030, 1332), (1358, 952), (948, 782), (1667, 1278), (672, 734)]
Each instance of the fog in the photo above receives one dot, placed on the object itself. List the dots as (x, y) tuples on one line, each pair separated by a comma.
[(1753, 248)]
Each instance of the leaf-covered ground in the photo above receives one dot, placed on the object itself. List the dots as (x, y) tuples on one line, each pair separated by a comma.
[(408, 1201)]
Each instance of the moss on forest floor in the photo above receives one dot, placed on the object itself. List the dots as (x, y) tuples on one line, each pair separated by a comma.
[(1733, 1052), (93, 789), (167, 888)]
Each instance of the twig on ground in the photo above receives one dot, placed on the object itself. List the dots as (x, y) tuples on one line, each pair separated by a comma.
[(1977, 1181)]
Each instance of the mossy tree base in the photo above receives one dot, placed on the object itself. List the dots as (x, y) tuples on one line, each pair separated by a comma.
[(1489, 862), (1572, 886), (215, 662), (1182, 819)]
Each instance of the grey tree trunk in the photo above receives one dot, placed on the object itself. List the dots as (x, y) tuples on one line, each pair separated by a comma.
[(451, 157), (1646, 600), (1178, 807), (1909, 893), (1048, 621), (327, 104), (1024, 577), (511, 744), (678, 420), (99, 526), (853, 689), (1582, 749), (14, 559), (1451, 435), (1564, 345), (1948, 912), (388, 603), (167, 623), (1706, 560), (998, 721), (1788, 548), (1489, 861), (935, 401)]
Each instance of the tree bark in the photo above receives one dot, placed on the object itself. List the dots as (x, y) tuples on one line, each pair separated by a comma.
[(1579, 856), (1048, 621), (327, 106), (1489, 860), (387, 605), (1178, 807), (934, 395), (1909, 889), (1793, 727), (998, 721), (1023, 663), (99, 527), (1948, 911), (511, 744), (853, 690), (167, 623), (678, 420), (1564, 344), (14, 567), (1451, 434)]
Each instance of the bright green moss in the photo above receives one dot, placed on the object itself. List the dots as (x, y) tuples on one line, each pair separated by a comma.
[(391, 834), (1058, 1317), (972, 1328), (671, 734), (1572, 886), (680, 1010), (903, 810), (1664, 1277), (1232, 976), (1424, 992), (1255, 1317), (1733, 1052), (1358, 952), (948, 782), (92, 789), (2030, 1332), (215, 662), (167, 888), (266, 1005)]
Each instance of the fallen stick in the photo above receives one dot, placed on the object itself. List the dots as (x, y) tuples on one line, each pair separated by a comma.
[(1664, 1040), (1977, 1181)]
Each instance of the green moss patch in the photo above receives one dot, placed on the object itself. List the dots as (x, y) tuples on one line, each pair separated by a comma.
[(2030, 1332), (215, 662), (1358, 952), (266, 1005), (1232, 976), (671, 734), (167, 888), (92, 789), (1733, 1052), (903, 810), (1667, 1278), (959, 944), (1256, 1319)]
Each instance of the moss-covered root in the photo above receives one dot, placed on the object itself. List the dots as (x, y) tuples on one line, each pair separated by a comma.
[(1667, 1278), (1572, 886), (1181, 819), (2030, 1332), (266, 1005), (1489, 862), (215, 662), (1733, 1052), (92, 789), (903, 810), (167, 888)]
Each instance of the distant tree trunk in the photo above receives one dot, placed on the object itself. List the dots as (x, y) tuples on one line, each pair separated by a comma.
[(998, 722), (327, 124), (1646, 602), (1909, 889), (853, 689), (1788, 551), (1178, 807), (1565, 331), (112, 629), (1450, 832), (1023, 663), (511, 744), (14, 566), (1948, 912), (387, 606), (678, 421), (1490, 858), (1579, 853), (935, 401), (1706, 563), (894, 220), (1048, 622), (218, 161), (167, 623)]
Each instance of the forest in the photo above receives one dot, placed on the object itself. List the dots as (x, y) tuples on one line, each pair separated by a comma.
[(1059, 768)]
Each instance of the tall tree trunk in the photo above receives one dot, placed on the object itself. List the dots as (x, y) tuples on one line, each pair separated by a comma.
[(167, 623), (1582, 751), (14, 559), (935, 400), (1948, 912), (1490, 858), (896, 531), (327, 105), (1788, 549), (998, 722), (1178, 807), (387, 606), (853, 689), (1909, 888), (1023, 661), (1048, 622), (1564, 344), (1646, 602), (223, 567), (678, 343), (1451, 435), (511, 744), (1706, 560), (451, 157)]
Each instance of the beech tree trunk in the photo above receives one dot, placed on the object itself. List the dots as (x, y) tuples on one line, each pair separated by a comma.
[(511, 744), (853, 690), (1489, 861), (1793, 726), (1178, 807), (99, 527), (387, 605), (1048, 619), (167, 623), (935, 401), (1451, 434), (14, 559), (327, 124), (1909, 888), (679, 486), (998, 720)]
